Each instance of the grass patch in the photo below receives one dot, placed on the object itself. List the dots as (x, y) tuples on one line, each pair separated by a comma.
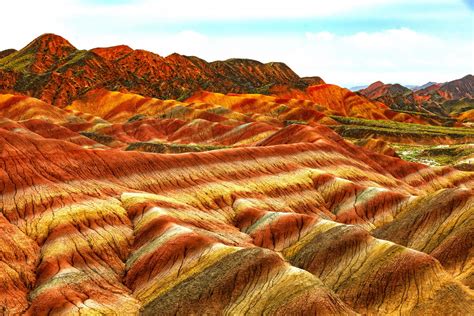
[(293, 122), (17, 61), (76, 58), (136, 117), (165, 148), (361, 128), (100, 138), (440, 155)]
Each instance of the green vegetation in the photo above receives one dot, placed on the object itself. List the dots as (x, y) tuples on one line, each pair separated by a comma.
[(178, 111), (361, 128), (456, 107), (439, 155), (137, 117), (427, 115), (17, 61), (279, 110), (186, 94), (265, 90), (157, 147), (219, 110), (76, 58), (292, 122), (29, 81), (100, 138)]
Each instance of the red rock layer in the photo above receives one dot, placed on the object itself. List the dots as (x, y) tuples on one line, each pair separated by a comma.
[(236, 230), (437, 101), (325, 98), (51, 69)]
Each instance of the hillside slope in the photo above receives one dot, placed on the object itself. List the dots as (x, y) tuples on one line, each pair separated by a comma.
[(300, 222), (53, 70), (450, 101)]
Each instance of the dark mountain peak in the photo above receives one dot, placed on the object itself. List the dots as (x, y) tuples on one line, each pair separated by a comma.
[(39, 55), (6, 52), (396, 89), (242, 62), (314, 80), (50, 43), (281, 67), (175, 57), (375, 85)]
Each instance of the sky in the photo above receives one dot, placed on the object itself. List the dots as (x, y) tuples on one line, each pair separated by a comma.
[(346, 42)]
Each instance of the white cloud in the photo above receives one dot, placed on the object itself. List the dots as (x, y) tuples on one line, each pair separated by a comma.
[(401, 54), (242, 9), (320, 36), (22, 20), (250, 9), (395, 55)]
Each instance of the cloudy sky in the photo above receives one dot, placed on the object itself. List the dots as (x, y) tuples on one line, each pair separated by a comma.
[(347, 42)]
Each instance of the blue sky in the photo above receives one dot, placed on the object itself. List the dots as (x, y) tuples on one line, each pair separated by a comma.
[(346, 42)]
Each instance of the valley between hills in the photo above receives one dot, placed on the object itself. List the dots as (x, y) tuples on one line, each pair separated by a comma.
[(132, 183)]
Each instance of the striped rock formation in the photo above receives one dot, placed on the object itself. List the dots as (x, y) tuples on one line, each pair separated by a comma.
[(52, 69), (300, 222), (450, 101), (243, 202)]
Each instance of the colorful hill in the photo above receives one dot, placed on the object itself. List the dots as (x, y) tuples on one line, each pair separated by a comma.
[(206, 121), (271, 195), (450, 102), (51, 69), (267, 229)]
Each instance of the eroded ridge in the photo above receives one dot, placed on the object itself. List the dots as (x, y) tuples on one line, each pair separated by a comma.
[(287, 227)]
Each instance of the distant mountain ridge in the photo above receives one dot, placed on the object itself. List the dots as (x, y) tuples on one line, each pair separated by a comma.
[(411, 87), (441, 99), (53, 70), (424, 86), (357, 88)]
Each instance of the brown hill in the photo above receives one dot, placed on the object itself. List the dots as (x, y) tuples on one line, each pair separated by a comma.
[(446, 102), (456, 89), (51, 69), (6, 52)]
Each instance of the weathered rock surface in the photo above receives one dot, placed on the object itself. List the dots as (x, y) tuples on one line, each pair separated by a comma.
[(281, 229), (249, 203)]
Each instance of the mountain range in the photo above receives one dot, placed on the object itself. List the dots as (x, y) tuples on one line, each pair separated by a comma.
[(411, 87), (135, 184), (51, 69), (451, 99)]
